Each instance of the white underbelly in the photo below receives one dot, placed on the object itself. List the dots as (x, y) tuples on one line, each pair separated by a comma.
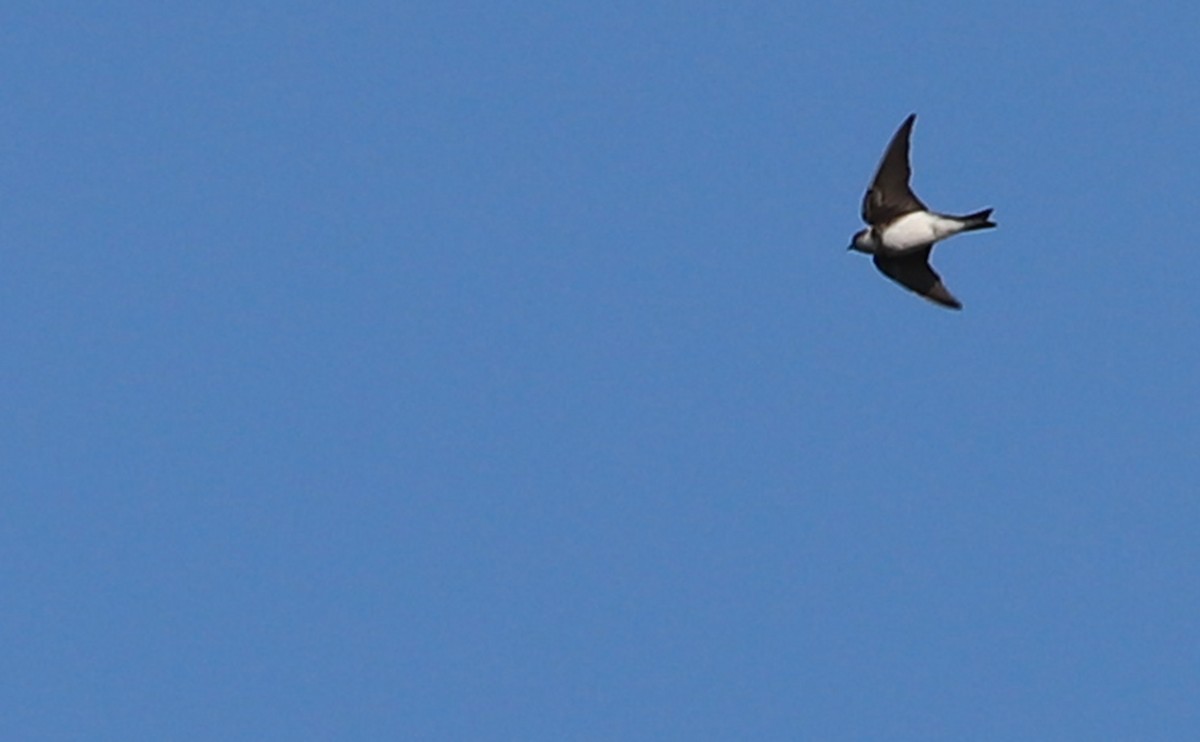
[(918, 229)]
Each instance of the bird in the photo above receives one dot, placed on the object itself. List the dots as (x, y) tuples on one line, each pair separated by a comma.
[(902, 230)]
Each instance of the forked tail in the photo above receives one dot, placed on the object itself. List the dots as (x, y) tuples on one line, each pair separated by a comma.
[(978, 220)]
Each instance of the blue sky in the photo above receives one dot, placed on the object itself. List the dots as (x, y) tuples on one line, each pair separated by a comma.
[(493, 370)]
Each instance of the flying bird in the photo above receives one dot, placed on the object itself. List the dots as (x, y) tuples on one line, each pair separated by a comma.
[(902, 231)]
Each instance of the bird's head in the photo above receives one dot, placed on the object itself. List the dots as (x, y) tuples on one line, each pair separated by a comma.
[(862, 241)]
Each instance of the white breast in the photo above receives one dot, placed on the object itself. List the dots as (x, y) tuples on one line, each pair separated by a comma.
[(918, 229)]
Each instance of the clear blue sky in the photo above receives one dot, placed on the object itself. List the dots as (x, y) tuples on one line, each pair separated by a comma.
[(496, 371)]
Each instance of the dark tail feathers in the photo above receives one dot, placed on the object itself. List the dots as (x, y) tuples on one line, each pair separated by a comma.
[(978, 220)]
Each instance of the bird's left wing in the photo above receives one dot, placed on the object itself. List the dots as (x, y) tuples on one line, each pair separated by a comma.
[(890, 195)]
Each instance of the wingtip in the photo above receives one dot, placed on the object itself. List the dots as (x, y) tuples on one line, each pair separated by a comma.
[(943, 299), (906, 126)]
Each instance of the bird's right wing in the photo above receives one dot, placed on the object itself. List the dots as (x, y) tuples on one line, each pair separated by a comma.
[(912, 271)]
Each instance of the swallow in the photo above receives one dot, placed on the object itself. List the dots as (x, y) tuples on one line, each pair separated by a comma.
[(902, 231)]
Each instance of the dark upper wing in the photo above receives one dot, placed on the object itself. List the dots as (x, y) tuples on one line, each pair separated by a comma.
[(912, 271), (889, 195)]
